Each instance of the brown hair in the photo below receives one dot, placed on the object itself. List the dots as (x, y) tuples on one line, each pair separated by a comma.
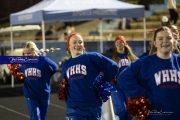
[(130, 55), (153, 49)]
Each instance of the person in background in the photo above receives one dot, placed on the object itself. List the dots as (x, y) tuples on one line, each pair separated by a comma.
[(146, 3), (37, 81), (175, 33), (122, 55), (154, 78), (81, 71), (38, 36), (171, 5), (51, 33), (125, 23), (68, 31), (165, 21)]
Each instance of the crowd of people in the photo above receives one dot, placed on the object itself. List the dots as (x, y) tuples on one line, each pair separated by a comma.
[(142, 88), (53, 32)]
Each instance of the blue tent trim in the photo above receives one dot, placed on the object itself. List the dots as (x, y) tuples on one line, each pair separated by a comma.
[(76, 10)]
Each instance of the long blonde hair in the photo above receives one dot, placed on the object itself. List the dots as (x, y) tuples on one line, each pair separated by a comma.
[(32, 46)]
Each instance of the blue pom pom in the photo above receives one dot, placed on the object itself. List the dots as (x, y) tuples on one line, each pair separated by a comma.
[(103, 88)]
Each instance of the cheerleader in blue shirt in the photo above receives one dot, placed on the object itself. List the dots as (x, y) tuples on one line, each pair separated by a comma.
[(155, 77), (37, 81), (80, 72), (122, 55)]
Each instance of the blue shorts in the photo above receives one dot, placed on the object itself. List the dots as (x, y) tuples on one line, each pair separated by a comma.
[(37, 108), (84, 113)]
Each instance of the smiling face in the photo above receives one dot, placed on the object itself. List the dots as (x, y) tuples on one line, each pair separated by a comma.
[(119, 44), (164, 43), (76, 45)]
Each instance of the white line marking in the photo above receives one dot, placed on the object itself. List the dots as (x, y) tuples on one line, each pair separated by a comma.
[(14, 111), (55, 105)]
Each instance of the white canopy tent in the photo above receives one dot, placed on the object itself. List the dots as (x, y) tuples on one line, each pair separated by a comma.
[(76, 10)]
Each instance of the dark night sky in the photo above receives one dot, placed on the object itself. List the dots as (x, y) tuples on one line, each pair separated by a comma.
[(11, 6)]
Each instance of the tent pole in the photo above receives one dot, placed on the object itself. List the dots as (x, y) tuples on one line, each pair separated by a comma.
[(145, 37), (101, 37), (43, 36), (12, 48), (108, 110)]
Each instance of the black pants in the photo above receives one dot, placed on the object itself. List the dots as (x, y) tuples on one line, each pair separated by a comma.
[(173, 16)]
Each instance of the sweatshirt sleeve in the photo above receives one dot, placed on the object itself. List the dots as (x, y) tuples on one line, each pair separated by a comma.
[(128, 80), (53, 67), (107, 66)]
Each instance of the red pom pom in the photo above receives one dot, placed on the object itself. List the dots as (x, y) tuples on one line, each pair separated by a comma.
[(113, 81), (138, 107), (13, 70), (63, 91)]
